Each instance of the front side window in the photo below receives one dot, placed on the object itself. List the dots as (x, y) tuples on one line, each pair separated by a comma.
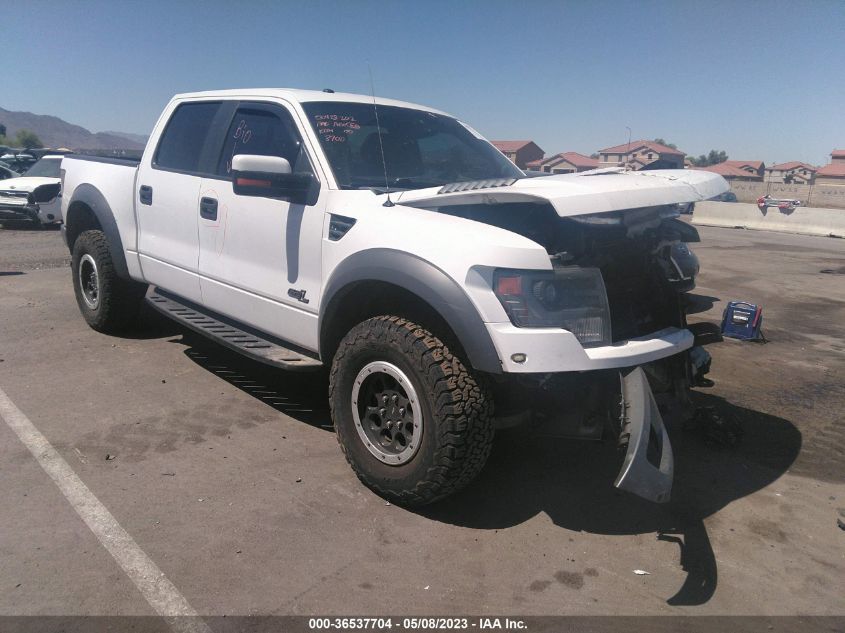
[(45, 168), (419, 149), (184, 137), (264, 131)]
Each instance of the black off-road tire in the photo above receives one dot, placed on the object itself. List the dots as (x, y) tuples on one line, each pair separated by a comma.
[(118, 300), (456, 405)]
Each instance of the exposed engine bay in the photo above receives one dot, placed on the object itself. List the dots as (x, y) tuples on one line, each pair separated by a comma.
[(646, 267), (642, 255)]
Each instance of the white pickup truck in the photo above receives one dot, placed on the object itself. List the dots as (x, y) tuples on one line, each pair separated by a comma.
[(448, 293)]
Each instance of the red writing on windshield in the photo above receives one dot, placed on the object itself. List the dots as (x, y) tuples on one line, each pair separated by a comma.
[(334, 128)]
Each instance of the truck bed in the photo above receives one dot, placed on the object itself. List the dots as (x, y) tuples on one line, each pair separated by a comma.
[(114, 179)]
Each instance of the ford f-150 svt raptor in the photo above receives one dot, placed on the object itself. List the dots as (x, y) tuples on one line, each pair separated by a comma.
[(447, 292)]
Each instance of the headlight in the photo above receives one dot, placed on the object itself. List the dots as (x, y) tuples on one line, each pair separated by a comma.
[(45, 193), (571, 297)]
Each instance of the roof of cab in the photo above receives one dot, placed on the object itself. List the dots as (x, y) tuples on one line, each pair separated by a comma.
[(303, 96)]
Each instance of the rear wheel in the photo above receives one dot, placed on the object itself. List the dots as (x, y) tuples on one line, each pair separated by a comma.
[(108, 303), (414, 422)]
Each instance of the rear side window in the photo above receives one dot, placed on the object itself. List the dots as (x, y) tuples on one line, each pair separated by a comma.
[(265, 131), (181, 145)]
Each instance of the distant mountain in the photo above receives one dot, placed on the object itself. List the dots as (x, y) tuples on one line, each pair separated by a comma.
[(54, 132), (137, 138)]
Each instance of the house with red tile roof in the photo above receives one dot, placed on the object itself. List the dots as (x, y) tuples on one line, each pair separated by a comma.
[(794, 172), (641, 155), (834, 172), (520, 153), (757, 167), (732, 172), (564, 163)]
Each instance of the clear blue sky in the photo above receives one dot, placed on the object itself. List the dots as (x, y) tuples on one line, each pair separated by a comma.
[(757, 78)]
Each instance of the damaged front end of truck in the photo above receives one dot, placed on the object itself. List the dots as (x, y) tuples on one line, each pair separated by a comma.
[(620, 270)]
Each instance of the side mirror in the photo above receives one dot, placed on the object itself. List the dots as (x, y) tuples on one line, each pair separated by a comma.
[(269, 177)]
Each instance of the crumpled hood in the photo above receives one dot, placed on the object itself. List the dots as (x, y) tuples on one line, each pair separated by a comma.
[(596, 191)]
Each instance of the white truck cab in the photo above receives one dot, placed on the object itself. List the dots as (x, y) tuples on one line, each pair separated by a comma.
[(395, 245)]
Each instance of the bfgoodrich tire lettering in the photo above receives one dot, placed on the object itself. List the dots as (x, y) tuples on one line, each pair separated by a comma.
[(455, 407), (107, 302)]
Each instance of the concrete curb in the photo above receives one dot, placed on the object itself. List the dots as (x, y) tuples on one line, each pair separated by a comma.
[(805, 220)]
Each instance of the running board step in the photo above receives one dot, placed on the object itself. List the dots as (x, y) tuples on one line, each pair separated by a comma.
[(248, 343)]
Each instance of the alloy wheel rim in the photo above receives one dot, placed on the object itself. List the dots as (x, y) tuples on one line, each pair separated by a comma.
[(387, 413), (89, 281)]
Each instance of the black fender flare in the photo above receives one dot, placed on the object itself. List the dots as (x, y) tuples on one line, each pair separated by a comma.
[(426, 281), (91, 197)]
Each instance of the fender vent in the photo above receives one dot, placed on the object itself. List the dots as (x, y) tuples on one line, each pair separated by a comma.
[(339, 226), (473, 185)]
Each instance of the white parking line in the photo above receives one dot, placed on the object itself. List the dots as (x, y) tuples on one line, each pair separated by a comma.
[(162, 595)]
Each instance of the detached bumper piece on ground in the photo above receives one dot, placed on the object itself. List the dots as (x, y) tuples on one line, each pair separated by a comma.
[(648, 468)]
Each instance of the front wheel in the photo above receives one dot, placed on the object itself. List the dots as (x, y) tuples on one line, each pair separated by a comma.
[(414, 422), (107, 302)]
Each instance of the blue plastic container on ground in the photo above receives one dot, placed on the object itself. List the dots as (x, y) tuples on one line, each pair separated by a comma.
[(743, 321)]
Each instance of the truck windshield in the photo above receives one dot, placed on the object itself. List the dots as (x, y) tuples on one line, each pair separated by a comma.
[(46, 167), (421, 149)]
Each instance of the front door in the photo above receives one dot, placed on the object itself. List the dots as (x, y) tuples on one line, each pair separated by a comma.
[(260, 258)]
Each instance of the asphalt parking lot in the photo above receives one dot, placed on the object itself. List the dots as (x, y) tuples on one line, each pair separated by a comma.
[(227, 474)]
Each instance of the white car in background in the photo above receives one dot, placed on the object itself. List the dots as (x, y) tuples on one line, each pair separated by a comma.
[(36, 196)]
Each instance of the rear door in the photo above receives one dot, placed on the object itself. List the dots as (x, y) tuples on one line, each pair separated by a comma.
[(167, 190), (260, 258)]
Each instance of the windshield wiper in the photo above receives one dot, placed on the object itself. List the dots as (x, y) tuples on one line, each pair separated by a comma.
[(414, 183), (381, 189), (397, 184)]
